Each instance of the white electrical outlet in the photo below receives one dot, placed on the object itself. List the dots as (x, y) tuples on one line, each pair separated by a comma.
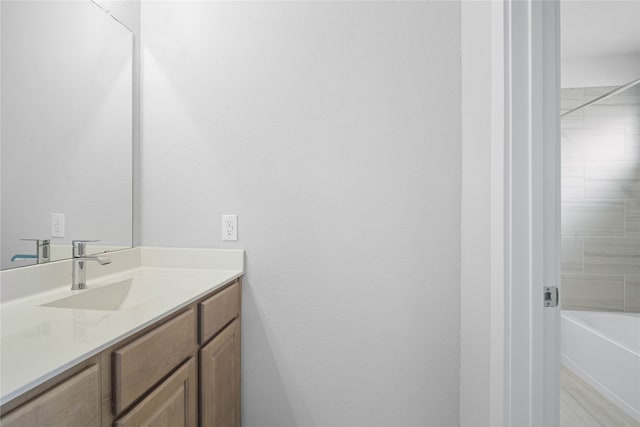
[(229, 227), (57, 225)]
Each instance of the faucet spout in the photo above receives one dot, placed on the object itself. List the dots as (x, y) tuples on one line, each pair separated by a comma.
[(78, 265), (23, 256), (102, 260)]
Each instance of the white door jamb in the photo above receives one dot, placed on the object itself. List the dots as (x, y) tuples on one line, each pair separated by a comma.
[(525, 200)]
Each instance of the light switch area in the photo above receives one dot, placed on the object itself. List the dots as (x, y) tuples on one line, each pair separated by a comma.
[(57, 225), (229, 227)]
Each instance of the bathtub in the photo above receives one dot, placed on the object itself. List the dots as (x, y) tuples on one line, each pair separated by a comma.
[(603, 349)]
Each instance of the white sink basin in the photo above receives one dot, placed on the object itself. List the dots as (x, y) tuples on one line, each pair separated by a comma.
[(113, 297)]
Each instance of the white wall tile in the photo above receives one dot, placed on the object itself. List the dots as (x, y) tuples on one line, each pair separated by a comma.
[(572, 181), (601, 200), (581, 142), (621, 108), (592, 292), (572, 255), (612, 180), (593, 218), (632, 218), (632, 144), (594, 92), (632, 294), (612, 255), (572, 98)]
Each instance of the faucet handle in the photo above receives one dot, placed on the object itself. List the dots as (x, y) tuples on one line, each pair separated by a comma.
[(42, 249), (80, 247)]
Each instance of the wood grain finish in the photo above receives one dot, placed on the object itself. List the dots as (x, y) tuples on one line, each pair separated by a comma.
[(220, 379), (172, 403), (142, 363), (47, 385), (217, 311), (74, 402)]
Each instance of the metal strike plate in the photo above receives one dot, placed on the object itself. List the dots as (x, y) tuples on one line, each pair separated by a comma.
[(550, 296)]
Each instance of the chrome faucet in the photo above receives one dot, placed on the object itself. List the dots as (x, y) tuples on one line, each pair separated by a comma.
[(43, 251), (78, 268)]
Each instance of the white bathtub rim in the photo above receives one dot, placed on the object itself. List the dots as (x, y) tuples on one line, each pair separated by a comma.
[(584, 376), (600, 334)]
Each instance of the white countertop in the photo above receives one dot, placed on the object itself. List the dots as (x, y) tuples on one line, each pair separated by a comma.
[(37, 343)]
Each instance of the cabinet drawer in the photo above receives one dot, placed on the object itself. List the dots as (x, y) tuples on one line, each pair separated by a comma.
[(145, 361), (172, 403), (74, 402), (218, 310)]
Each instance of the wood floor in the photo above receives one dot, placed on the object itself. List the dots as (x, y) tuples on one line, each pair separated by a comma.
[(582, 406)]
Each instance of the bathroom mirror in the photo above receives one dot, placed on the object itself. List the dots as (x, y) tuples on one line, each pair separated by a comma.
[(66, 129)]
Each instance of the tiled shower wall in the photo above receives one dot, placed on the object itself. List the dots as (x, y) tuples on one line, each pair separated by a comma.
[(601, 201)]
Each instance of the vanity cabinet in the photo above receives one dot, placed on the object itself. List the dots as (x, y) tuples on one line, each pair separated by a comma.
[(183, 370), (73, 402)]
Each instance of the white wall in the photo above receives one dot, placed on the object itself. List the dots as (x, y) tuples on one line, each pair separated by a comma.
[(333, 131), (595, 71), (475, 283)]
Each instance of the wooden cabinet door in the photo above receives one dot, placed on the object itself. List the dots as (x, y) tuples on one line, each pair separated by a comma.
[(220, 379), (73, 402), (171, 404)]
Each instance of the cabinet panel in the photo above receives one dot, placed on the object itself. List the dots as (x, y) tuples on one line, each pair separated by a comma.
[(171, 404), (142, 363), (217, 311), (74, 402), (220, 379)]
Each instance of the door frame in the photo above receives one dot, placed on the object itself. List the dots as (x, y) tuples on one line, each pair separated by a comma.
[(525, 351)]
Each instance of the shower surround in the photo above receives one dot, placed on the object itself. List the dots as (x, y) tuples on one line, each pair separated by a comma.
[(601, 201)]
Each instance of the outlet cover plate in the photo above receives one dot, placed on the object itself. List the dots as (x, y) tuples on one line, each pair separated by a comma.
[(57, 225), (230, 227)]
